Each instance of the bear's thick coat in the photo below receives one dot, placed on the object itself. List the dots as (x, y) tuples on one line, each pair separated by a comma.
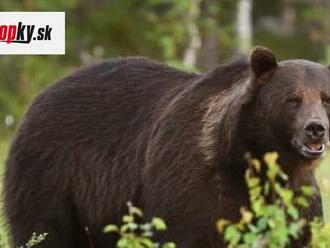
[(132, 129)]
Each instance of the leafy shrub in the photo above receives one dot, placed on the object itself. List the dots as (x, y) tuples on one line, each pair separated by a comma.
[(33, 241), (135, 235), (320, 234), (274, 217)]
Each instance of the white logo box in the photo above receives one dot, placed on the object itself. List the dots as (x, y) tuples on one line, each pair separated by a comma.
[(32, 32)]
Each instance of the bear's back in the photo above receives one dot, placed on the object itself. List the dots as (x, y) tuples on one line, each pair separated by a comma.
[(103, 100)]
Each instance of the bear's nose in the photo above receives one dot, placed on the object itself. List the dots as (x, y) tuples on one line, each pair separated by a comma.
[(315, 129)]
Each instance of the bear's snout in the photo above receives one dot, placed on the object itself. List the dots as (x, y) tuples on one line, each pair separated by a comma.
[(315, 130), (313, 138)]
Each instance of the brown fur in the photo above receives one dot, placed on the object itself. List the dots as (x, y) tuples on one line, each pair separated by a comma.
[(135, 130)]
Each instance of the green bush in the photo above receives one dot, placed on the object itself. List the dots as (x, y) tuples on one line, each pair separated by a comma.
[(320, 234), (135, 235), (273, 219), (33, 241)]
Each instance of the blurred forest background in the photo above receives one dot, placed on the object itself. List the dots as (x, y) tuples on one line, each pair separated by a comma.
[(191, 34)]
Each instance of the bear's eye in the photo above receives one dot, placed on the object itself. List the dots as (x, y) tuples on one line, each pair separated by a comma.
[(326, 100), (294, 100)]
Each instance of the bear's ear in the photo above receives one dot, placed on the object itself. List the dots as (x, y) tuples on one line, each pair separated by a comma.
[(262, 61)]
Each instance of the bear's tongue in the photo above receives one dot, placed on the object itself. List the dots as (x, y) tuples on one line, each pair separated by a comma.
[(314, 147)]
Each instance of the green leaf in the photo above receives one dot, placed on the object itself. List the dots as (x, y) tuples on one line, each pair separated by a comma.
[(221, 224), (266, 188), (302, 201), (128, 218), (287, 195), (124, 228), (262, 223), (232, 235), (255, 192), (132, 226), (122, 243), (169, 245), (295, 228), (249, 238), (247, 216), (136, 211), (253, 181), (147, 234), (147, 243), (159, 224), (307, 190), (110, 228), (293, 212)]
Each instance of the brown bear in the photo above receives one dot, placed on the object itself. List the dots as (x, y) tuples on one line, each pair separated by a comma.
[(171, 142)]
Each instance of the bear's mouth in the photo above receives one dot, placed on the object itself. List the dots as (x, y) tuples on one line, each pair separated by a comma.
[(312, 150)]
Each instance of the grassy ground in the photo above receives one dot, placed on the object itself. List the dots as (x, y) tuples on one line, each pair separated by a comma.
[(323, 174)]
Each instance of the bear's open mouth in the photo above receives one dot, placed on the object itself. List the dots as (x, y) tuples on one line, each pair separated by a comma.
[(312, 150)]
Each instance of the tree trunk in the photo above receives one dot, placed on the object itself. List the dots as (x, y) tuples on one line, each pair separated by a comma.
[(244, 26), (288, 17), (209, 52), (190, 54)]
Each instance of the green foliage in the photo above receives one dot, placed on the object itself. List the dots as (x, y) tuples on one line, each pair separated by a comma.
[(34, 241), (136, 235), (273, 219), (3, 239), (320, 234)]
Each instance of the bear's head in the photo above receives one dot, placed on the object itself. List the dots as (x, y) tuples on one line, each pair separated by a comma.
[(291, 108)]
